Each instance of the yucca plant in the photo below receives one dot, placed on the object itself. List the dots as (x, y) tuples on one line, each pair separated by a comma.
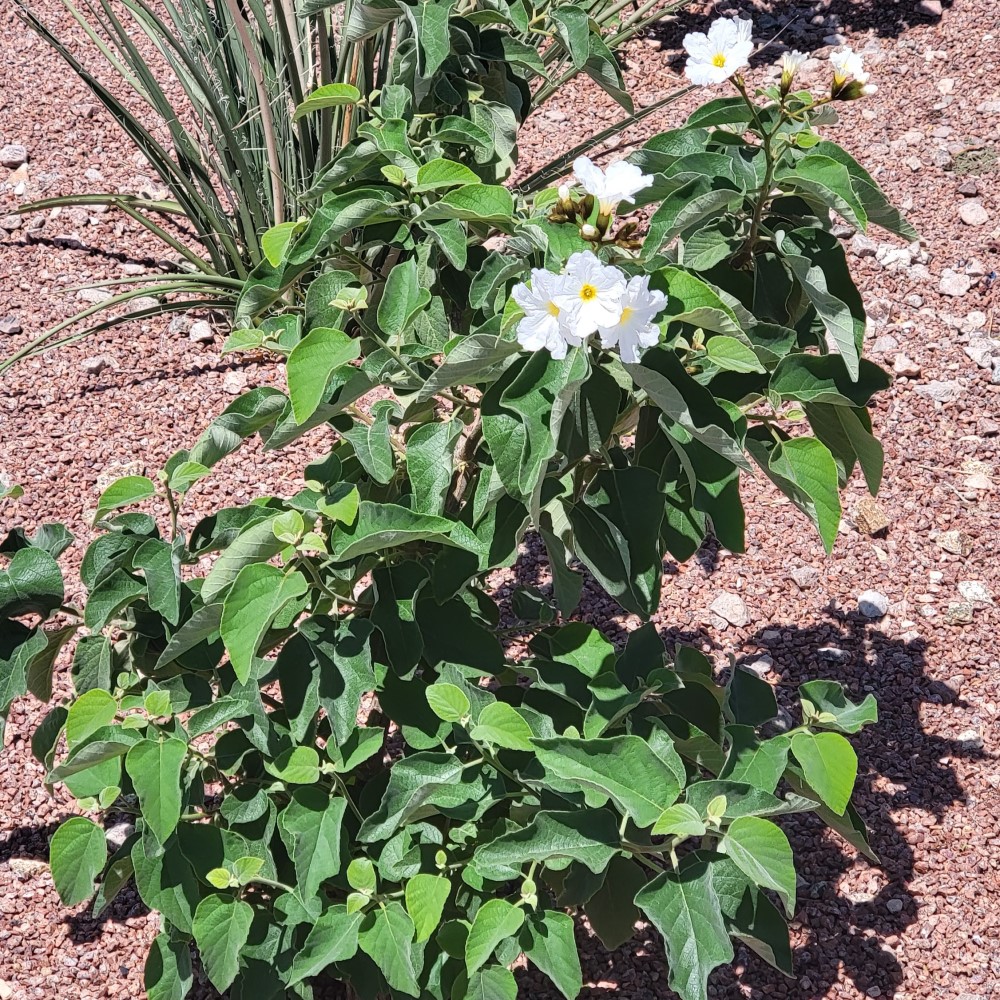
[(270, 89)]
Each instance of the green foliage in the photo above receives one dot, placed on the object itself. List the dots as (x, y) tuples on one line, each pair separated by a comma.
[(336, 766)]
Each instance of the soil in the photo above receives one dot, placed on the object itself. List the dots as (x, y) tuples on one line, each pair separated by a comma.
[(925, 923)]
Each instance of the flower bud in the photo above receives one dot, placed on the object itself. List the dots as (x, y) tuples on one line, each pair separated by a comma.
[(791, 63), (589, 232)]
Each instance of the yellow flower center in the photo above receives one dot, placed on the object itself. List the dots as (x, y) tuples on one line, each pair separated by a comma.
[(719, 60), (552, 308), (626, 312), (588, 292)]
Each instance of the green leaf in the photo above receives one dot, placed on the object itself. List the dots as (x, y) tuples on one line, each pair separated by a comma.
[(430, 26), (167, 883), (732, 355), (810, 475), (89, 713), (755, 762), (257, 596), (684, 908), (478, 358), (387, 937), (160, 563), (403, 297), (679, 820), (589, 836), (829, 696), (617, 535), (221, 929), (372, 443), (490, 983), (255, 544), (760, 926), (77, 855), (332, 95), (311, 365), (830, 766), (549, 942), (473, 203), (296, 766), (430, 453), (31, 583), (611, 910), (310, 827), (440, 173), (760, 849), (168, 974), (622, 768), (155, 769), (750, 698), (276, 239), (503, 726), (694, 301), (573, 30), (425, 899), (333, 938), (495, 921), (448, 702), (824, 378), (823, 180), (386, 526), (124, 492)]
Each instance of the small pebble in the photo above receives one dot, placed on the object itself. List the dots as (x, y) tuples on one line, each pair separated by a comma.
[(971, 739), (894, 905), (9, 325), (959, 613), (117, 835), (761, 666), (954, 284), (929, 8), (956, 542), (872, 604), (833, 654), (95, 365), (969, 188), (975, 591), (904, 367), (731, 608), (805, 577), (201, 332)]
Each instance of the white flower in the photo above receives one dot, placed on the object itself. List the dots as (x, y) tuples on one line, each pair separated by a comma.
[(635, 328), (622, 182), (791, 63), (847, 65), (589, 297), (542, 325), (715, 57)]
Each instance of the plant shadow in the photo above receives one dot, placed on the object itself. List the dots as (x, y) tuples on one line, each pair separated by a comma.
[(838, 933)]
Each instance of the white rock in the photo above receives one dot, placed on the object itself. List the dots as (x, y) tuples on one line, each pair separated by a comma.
[(929, 8), (761, 666), (905, 367), (805, 576), (234, 382), (833, 654), (863, 246), (732, 608), (975, 590), (954, 284), (9, 325), (201, 332), (13, 155), (143, 303), (981, 351), (885, 344), (942, 390), (935, 576), (972, 213), (971, 739), (117, 835), (872, 604), (6, 990), (93, 295)]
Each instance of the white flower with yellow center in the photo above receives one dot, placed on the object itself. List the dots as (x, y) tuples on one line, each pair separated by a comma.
[(791, 63), (590, 295), (542, 326), (622, 181), (847, 65), (635, 329), (715, 57)]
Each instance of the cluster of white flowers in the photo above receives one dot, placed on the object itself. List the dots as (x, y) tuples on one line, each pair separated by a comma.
[(563, 310), (726, 48)]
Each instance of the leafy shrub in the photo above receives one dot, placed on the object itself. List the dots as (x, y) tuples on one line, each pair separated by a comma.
[(239, 161), (336, 763)]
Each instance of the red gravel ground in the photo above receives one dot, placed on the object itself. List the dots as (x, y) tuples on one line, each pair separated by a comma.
[(926, 923)]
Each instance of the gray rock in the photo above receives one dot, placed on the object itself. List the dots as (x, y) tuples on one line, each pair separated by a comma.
[(805, 577), (201, 332), (761, 666), (954, 284), (93, 295), (13, 155), (903, 366), (929, 8), (11, 223), (956, 542), (885, 344), (989, 108), (95, 365), (981, 351), (863, 246), (942, 390), (969, 188), (971, 739), (959, 613), (181, 324), (975, 591), (872, 604), (117, 835), (144, 303), (985, 427), (731, 608), (9, 325), (972, 213), (833, 654)]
